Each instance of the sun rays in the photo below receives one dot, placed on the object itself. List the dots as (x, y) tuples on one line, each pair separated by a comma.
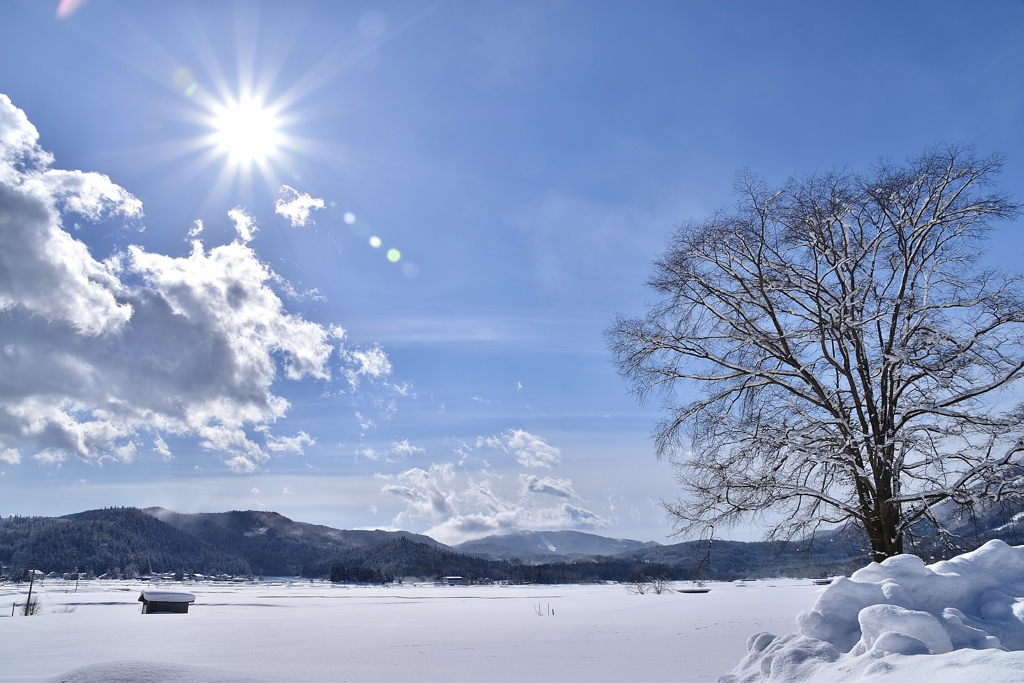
[(247, 131)]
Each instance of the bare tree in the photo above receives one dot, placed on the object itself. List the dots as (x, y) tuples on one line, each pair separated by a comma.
[(832, 351)]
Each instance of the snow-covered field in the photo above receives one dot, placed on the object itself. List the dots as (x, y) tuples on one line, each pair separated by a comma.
[(959, 621), (320, 632)]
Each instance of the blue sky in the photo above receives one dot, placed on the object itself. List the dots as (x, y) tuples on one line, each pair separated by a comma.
[(385, 306)]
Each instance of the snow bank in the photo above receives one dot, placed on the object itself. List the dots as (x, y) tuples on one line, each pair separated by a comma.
[(959, 620)]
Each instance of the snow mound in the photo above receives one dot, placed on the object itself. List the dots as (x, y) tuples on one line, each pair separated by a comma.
[(150, 672), (958, 620)]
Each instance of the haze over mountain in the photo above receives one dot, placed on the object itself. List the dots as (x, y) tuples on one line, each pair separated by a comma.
[(539, 546)]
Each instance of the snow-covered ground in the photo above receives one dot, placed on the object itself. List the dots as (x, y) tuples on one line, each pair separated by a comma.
[(959, 621), (319, 632)]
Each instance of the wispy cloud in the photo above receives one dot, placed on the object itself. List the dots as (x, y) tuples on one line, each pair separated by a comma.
[(370, 362), (245, 225), (296, 206), (405, 449), (556, 487), (529, 450)]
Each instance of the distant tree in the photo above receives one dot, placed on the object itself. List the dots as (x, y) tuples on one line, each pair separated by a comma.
[(850, 355), (655, 579)]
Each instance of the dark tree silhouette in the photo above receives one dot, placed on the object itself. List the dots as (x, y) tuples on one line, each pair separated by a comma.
[(832, 351)]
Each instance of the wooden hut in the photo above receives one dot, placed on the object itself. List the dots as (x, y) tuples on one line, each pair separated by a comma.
[(156, 602)]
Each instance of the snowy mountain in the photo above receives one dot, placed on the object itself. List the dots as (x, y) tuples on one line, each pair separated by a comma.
[(129, 541), (537, 546)]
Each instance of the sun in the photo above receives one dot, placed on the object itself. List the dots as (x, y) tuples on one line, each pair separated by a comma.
[(246, 130)]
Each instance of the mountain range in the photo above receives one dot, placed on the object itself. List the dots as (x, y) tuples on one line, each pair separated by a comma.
[(132, 542)]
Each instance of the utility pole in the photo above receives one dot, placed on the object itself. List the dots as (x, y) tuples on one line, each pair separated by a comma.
[(31, 582)]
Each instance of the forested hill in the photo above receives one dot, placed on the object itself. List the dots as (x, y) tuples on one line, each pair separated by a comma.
[(274, 545), (129, 542), (109, 541), (132, 541)]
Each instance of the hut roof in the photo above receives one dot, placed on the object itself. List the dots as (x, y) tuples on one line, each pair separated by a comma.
[(166, 596)]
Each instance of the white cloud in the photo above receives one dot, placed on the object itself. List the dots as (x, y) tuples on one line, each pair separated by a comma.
[(79, 293), (287, 444), (240, 464), (10, 456), (368, 453), (245, 225), (460, 504), (365, 424), (555, 487), (296, 206), (49, 457), (405, 449), (461, 528), (125, 452), (160, 447), (371, 362), (426, 492), (97, 355), (530, 450)]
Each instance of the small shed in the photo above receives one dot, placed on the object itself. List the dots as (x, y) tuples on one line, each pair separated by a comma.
[(156, 602), (453, 580)]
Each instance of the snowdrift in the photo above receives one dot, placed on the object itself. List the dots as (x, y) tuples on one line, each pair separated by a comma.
[(959, 620)]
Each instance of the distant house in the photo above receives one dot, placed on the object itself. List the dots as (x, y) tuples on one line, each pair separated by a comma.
[(156, 602), (453, 580)]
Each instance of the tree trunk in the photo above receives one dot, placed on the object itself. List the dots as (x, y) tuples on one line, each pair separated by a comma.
[(882, 533)]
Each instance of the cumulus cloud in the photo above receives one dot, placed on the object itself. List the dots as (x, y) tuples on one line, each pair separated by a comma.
[(296, 206), (100, 356), (469, 499), (460, 528), (80, 293), (426, 492)]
